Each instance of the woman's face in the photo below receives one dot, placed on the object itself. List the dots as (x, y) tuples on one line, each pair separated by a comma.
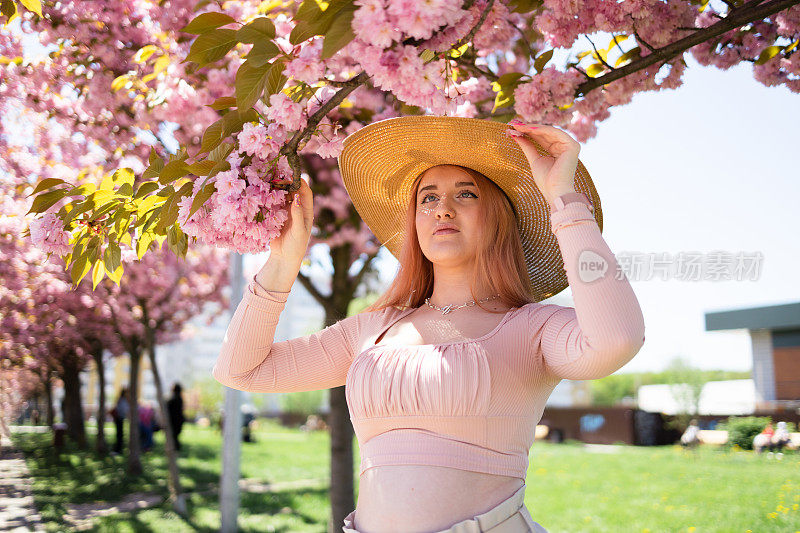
[(448, 195)]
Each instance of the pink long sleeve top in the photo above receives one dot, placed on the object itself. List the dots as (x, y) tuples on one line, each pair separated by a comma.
[(470, 404)]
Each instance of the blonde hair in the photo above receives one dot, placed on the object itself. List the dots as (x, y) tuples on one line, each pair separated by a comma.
[(500, 265)]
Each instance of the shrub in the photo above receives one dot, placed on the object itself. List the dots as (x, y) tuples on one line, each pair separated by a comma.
[(741, 430)]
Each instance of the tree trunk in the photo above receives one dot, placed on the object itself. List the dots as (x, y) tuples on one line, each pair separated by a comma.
[(341, 429), (73, 415), (50, 415), (100, 443), (173, 479), (134, 446)]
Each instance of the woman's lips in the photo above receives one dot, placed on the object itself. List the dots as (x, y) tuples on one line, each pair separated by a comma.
[(445, 231)]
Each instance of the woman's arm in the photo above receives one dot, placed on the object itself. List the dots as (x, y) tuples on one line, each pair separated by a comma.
[(250, 361), (605, 329)]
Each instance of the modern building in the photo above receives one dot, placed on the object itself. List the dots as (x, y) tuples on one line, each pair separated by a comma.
[(775, 339)]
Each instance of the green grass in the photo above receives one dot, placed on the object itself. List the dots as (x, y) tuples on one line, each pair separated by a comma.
[(569, 489)]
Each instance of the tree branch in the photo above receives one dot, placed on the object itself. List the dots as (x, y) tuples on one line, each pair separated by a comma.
[(356, 280), (600, 57), (290, 148), (324, 301), (740, 17), (468, 37)]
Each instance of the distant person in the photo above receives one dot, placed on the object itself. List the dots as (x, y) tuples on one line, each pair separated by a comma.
[(691, 437), (119, 413), (780, 438), (147, 423), (175, 412), (764, 439), (248, 417)]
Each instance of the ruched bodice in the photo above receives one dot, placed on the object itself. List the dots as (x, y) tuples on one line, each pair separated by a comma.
[(470, 404), (450, 380)]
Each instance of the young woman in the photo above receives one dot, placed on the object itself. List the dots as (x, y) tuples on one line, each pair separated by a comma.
[(447, 375)]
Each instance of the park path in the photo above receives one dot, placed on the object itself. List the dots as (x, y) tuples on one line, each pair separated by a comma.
[(17, 510)]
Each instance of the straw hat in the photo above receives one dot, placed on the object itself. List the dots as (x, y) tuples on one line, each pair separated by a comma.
[(379, 162)]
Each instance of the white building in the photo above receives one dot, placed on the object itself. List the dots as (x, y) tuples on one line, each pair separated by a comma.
[(729, 397)]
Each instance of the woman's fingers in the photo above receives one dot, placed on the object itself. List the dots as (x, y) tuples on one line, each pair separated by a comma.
[(553, 139)]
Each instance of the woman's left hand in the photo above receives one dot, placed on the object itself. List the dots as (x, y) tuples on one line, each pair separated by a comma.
[(553, 175)]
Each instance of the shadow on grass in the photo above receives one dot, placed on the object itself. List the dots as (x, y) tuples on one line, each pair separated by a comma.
[(76, 476)]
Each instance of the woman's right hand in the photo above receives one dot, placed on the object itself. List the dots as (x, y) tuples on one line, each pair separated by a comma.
[(292, 244)]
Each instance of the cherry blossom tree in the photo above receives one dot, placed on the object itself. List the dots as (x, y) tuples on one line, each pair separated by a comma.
[(153, 303)]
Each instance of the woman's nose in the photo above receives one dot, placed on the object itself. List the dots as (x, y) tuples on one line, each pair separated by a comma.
[(443, 206)]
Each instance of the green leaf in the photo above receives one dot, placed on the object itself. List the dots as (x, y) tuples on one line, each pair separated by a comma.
[(615, 40), (542, 60), (107, 184), (202, 168), (112, 257), (206, 22), (45, 184), (211, 137), (233, 122), (145, 188), (258, 30), (308, 11), (172, 171), (767, 54), (339, 34), (77, 209), (261, 53), (275, 79), (143, 243), (8, 9), (116, 276), (98, 273), (595, 70), (33, 5), (177, 240), (123, 175), (427, 55), (46, 200), (148, 203), (210, 47), (630, 54), (301, 32), (504, 87), (223, 102), (524, 6), (80, 268), (126, 189), (250, 82), (154, 169), (201, 198), (221, 152), (169, 211)]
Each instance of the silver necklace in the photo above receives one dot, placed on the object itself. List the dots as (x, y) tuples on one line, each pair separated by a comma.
[(446, 309)]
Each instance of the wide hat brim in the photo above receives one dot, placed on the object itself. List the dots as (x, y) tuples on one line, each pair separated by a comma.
[(380, 161)]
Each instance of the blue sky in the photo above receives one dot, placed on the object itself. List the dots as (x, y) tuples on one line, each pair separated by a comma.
[(709, 166)]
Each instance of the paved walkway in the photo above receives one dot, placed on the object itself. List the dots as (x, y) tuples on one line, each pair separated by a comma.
[(17, 511)]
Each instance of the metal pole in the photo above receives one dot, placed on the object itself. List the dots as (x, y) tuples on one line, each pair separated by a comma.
[(232, 428)]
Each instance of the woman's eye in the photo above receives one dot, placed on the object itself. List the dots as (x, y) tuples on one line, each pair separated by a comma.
[(462, 192)]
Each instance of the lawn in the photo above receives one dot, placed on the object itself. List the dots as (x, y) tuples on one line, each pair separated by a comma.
[(569, 489)]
